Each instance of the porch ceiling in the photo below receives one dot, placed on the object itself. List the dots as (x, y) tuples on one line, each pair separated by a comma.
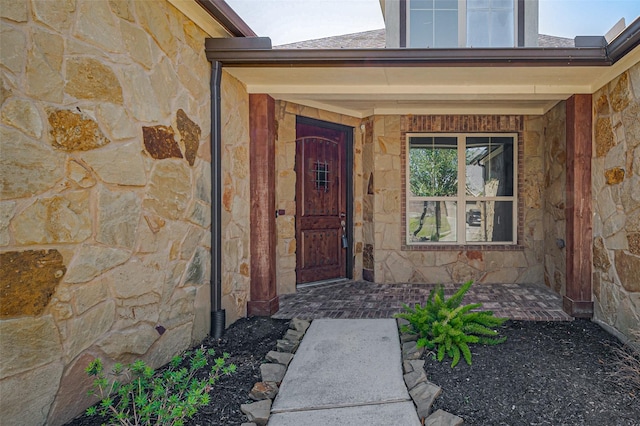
[(361, 91)]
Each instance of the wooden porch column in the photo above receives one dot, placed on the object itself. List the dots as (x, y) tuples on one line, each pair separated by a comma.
[(263, 295), (578, 301)]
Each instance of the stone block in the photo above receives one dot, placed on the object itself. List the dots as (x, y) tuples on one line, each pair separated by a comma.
[(257, 412), (27, 397), (73, 131), (286, 346), (294, 335), (190, 136), (604, 136), (141, 97), (90, 79), (263, 390), (63, 218), (67, 404), (172, 342), (43, 76), (423, 395), (96, 24), (160, 142), (408, 337), (118, 218), (92, 260), (23, 115), (169, 190), (135, 340), (413, 365), (134, 279), (120, 165), (628, 268), (28, 343), (614, 176), (442, 418), (283, 358), (14, 11), (413, 378), (197, 270), (83, 331), (29, 279), (410, 350), (27, 167), (272, 372)]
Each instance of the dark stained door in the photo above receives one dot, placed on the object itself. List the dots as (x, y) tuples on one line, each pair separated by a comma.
[(321, 220)]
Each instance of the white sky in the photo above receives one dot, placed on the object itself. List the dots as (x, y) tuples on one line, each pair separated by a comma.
[(288, 21)]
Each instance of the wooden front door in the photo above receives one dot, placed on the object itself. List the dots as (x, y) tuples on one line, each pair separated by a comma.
[(321, 216)]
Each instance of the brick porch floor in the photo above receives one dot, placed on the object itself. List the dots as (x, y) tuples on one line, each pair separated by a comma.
[(360, 299)]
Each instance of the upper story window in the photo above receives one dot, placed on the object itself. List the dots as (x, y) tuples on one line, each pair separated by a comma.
[(461, 23), (490, 23), (461, 189)]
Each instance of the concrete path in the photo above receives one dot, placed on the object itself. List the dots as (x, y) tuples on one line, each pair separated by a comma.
[(345, 372)]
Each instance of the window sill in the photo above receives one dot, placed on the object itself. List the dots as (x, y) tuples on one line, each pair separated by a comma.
[(460, 247)]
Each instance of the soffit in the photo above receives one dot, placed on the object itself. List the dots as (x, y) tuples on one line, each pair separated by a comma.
[(360, 91)]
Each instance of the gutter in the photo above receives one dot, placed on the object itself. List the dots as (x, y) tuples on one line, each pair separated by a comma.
[(257, 52), (626, 41)]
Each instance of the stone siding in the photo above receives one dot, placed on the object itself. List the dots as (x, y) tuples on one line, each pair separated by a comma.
[(236, 206), (395, 262), (104, 195), (616, 192), (554, 190), (286, 113)]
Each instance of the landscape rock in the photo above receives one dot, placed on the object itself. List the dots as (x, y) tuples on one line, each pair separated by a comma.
[(414, 378), (410, 350), (423, 395), (299, 324), (283, 358), (286, 346), (406, 337), (413, 365), (293, 335), (257, 412), (442, 418), (263, 390), (272, 372)]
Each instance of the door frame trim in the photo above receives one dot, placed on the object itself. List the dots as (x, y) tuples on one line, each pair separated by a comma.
[(348, 130)]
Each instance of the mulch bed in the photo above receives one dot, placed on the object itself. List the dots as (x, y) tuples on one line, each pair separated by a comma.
[(547, 373)]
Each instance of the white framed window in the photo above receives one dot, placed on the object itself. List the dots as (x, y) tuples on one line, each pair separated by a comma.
[(461, 188), (461, 23)]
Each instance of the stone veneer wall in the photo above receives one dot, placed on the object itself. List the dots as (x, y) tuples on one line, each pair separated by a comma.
[(236, 207), (554, 187), (286, 113), (395, 263), (105, 195), (616, 192)]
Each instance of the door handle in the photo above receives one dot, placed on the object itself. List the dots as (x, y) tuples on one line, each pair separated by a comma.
[(343, 215)]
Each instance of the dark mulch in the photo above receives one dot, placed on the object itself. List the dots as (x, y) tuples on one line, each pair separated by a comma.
[(247, 341), (546, 373), (557, 373)]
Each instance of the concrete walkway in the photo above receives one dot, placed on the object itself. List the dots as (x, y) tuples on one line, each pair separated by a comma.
[(345, 372)]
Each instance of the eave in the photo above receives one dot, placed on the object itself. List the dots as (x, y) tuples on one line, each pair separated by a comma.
[(426, 81)]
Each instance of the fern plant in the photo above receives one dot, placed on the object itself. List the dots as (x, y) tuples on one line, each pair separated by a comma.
[(446, 326)]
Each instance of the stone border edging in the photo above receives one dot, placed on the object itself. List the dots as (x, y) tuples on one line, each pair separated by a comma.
[(422, 391), (272, 373)]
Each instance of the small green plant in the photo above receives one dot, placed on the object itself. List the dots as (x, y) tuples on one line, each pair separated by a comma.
[(137, 395), (447, 327)]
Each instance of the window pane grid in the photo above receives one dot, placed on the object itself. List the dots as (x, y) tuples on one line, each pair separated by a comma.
[(435, 217)]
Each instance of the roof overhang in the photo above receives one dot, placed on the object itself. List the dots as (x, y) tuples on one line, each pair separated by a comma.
[(426, 81)]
